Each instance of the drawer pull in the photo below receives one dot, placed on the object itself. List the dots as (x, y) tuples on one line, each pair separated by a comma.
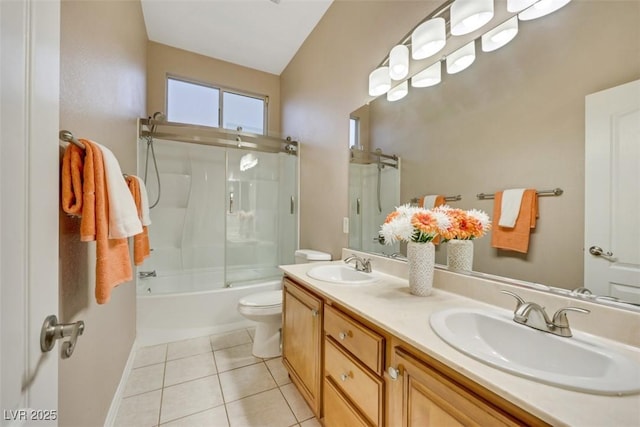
[(393, 373), (344, 376), (344, 335), (314, 313)]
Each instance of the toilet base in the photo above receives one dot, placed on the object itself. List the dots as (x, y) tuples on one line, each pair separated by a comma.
[(266, 342)]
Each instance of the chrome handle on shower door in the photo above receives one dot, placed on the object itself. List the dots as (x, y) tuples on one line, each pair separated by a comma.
[(292, 205), (358, 206), (231, 202)]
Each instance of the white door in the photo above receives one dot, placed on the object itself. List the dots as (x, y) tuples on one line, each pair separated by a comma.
[(612, 192), (29, 83)]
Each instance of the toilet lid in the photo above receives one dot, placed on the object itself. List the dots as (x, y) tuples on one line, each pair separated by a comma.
[(262, 299)]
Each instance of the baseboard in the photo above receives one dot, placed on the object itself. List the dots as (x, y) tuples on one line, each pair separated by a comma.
[(117, 397)]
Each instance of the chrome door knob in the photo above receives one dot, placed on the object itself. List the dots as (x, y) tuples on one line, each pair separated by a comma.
[(598, 251)]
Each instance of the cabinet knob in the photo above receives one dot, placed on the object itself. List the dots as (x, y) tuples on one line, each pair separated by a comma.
[(344, 376), (314, 313), (393, 373), (342, 335)]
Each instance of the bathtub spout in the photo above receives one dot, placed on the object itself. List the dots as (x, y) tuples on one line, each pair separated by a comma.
[(147, 274)]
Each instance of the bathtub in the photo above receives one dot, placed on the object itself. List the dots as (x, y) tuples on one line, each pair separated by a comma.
[(172, 316)]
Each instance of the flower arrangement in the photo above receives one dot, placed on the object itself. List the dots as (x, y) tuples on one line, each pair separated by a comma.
[(413, 224), (464, 225)]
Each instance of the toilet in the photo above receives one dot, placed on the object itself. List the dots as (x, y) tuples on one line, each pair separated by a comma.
[(265, 308)]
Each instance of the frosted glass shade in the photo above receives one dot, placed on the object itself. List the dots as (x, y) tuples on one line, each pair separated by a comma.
[(461, 58), (542, 8), (399, 62), (469, 15), (428, 38), (398, 92), (518, 5), (379, 81), (428, 77), (500, 36)]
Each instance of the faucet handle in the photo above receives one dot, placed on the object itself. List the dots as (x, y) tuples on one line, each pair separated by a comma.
[(560, 317), (518, 298)]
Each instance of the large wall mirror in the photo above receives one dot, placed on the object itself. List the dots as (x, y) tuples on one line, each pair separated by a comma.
[(516, 119)]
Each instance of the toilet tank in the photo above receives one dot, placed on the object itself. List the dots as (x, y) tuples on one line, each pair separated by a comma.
[(304, 256)]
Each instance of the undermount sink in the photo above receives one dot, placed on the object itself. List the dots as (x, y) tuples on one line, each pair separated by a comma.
[(341, 274), (575, 363)]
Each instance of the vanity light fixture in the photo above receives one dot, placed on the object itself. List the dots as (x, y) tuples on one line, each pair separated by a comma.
[(514, 6), (398, 92), (500, 36), (428, 38), (399, 62), (469, 15), (542, 8), (379, 81), (428, 77), (461, 58)]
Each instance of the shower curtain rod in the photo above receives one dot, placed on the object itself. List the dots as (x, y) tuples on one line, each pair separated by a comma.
[(205, 135)]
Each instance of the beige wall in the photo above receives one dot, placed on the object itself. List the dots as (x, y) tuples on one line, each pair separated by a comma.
[(525, 101), (163, 60), (321, 86), (103, 60)]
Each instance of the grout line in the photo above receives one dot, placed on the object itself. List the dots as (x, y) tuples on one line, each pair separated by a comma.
[(164, 374), (224, 401)]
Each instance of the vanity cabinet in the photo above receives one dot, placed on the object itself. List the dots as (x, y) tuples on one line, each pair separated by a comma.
[(423, 392), (353, 368), (302, 341)]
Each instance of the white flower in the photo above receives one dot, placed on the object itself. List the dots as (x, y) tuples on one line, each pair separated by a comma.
[(398, 229), (482, 217), (442, 219)]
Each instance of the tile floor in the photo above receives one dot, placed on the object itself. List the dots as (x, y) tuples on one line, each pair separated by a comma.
[(210, 381)]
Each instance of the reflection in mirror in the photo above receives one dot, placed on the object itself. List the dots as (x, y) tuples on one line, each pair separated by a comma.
[(374, 191), (516, 119)]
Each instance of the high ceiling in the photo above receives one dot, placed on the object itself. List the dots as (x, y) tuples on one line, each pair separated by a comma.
[(259, 34)]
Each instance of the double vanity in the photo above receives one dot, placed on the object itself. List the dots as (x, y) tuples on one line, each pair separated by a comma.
[(363, 351)]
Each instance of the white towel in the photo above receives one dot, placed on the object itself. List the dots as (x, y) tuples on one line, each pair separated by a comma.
[(510, 208), (429, 201), (123, 214), (144, 202)]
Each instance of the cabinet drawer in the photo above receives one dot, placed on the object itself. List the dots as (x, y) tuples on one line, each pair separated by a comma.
[(364, 344), (363, 388), (337, 410)]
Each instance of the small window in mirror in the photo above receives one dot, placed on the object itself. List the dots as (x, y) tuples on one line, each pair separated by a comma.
[(354, 132)]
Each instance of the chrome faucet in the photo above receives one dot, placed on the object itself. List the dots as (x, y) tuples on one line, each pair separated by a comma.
[(362, 264), (533, 315)]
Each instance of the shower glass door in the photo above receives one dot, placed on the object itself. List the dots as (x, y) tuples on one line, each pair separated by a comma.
[(260, 215)]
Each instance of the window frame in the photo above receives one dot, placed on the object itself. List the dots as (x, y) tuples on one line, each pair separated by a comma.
[(221, 91)]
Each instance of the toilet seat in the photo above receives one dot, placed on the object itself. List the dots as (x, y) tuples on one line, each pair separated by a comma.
[(262, 300)]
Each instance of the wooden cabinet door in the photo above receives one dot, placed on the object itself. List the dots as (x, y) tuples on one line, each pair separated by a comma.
[(302, 342), (422, 396)]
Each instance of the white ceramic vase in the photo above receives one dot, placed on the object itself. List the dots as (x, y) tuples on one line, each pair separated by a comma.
[(421, 260), (460, 255)]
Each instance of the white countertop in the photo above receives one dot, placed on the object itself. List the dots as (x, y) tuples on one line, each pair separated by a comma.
[(388, 304)]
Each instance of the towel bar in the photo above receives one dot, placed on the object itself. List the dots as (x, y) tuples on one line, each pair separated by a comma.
[(554, 192)]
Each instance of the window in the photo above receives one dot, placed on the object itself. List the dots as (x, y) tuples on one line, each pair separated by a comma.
[(354, 133), (200, 104)]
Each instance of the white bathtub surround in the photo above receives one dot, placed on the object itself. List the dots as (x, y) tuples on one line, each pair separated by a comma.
[(170, 317), (389, 305)]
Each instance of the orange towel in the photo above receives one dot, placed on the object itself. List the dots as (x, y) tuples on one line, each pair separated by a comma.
[(113, 265), (141, 240), (516, 238)]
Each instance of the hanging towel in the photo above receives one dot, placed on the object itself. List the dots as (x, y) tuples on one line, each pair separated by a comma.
[(123, 215), (431, 201), (516, 238), (141, 240), (144, 202), (113, 265), (71, 181), (510, 208)]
